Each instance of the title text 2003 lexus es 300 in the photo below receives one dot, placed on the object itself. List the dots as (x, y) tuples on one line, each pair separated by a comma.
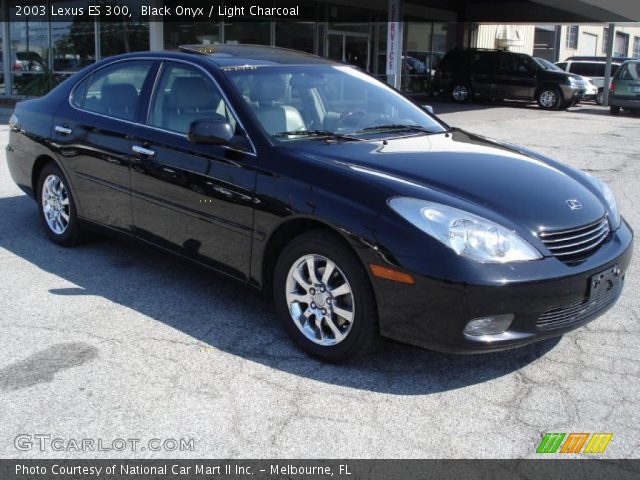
[(361, 213)]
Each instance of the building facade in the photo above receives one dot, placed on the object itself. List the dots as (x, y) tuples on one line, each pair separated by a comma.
[(558, 42), (38, 52)]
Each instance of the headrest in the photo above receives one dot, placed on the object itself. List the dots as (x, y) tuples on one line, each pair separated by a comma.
[(267, 88), (118, 95), (193, 92)]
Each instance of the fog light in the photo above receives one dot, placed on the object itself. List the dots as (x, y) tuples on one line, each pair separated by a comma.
[(489, 325)]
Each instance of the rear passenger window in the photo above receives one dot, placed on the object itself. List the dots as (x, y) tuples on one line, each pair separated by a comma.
[(184, 94), (586, 69), (113, 90)]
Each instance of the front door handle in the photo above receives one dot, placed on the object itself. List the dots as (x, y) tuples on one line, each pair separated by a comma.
[(143, 151), (63, 129)]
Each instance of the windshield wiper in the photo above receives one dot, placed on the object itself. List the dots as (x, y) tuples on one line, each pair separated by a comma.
[(396, 126), (317, 133)]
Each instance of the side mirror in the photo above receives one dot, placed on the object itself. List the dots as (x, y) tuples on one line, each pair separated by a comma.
[(427, 108), (210, 131)]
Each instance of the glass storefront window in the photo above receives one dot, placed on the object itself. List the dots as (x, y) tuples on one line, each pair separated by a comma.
[(2, 47), (129, 35), (296, 35), (254, 33), (416, 57), (176, 34), (73, 42), (29, 53)]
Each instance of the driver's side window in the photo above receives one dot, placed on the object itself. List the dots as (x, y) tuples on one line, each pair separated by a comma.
[(184, 94)]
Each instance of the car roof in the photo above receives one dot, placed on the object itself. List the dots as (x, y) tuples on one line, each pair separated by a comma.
[(225, 55), (577, 58)]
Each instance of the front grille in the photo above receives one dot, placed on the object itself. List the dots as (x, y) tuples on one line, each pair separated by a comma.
[(562, 317), (576, 243)]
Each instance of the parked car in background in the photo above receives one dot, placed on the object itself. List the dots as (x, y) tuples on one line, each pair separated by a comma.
[(624, 91), (28, 61), (594, 69), (591, 90), (464, 74)]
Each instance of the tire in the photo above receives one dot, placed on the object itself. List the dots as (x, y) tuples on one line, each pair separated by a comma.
[(549, 98), (346, 325), (614, 110), (461, 92), (54, 195), (599, 98)]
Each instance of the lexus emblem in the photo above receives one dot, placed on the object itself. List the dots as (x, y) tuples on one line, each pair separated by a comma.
[(573, 204)]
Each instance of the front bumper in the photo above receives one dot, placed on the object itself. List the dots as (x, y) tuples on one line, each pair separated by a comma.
[(623, 102), (572, 93), (433, 313)]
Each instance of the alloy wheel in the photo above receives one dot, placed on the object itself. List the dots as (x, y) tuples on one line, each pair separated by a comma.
[(460, 93), (55, 204), (548, 98), (320, 300)]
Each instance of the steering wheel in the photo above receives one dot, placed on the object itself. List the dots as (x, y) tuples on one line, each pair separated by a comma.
[(353, 115)]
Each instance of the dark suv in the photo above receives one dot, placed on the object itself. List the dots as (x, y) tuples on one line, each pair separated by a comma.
[(467, 73)]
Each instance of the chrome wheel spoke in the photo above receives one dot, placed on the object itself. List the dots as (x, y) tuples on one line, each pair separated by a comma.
[(311, 266), (299, 297), (64, 216), (319, 328), (328, 271), (343, 289), (337, 334), (65, 201), (346, 314), (301, 281)]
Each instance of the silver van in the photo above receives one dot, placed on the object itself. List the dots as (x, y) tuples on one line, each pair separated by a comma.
[(593, 69)]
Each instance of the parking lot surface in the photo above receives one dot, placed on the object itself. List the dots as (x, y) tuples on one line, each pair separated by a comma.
[(112, 341)]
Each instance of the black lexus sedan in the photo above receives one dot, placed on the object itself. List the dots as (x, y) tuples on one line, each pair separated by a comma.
[(361, 213)]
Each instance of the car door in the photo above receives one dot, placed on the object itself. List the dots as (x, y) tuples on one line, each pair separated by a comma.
[(194, 199), (91, 134), (516, 78), (484, 66)]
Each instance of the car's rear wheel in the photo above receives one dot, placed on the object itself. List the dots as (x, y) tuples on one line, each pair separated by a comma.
[(600, 97), (460, 92), (614, 110), (57, 206), (549, 98), (324, 298)]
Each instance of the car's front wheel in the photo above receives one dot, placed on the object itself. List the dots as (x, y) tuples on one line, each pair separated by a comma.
[(549, 98), (57, 206), (324, 298)]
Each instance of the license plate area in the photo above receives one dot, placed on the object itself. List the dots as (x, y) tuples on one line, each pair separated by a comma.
[(602, 282)]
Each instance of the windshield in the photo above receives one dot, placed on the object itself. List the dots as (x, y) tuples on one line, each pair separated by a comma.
[(316, 101), (547, 65)]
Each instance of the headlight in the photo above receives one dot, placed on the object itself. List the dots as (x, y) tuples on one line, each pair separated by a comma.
[(575, 82), (607, 193), (466, 234), (14, 122)]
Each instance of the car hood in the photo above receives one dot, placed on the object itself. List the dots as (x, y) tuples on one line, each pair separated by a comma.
[(493, 179)]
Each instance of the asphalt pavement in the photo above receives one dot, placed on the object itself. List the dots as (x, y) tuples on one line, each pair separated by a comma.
[(111, 342)]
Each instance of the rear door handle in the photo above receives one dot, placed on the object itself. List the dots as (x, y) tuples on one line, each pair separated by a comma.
[(63, 129), (143, 151)]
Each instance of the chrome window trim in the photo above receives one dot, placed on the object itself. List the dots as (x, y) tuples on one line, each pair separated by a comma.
[(161, 59)]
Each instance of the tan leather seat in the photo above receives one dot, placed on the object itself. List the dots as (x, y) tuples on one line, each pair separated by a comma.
[(267, 93)]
